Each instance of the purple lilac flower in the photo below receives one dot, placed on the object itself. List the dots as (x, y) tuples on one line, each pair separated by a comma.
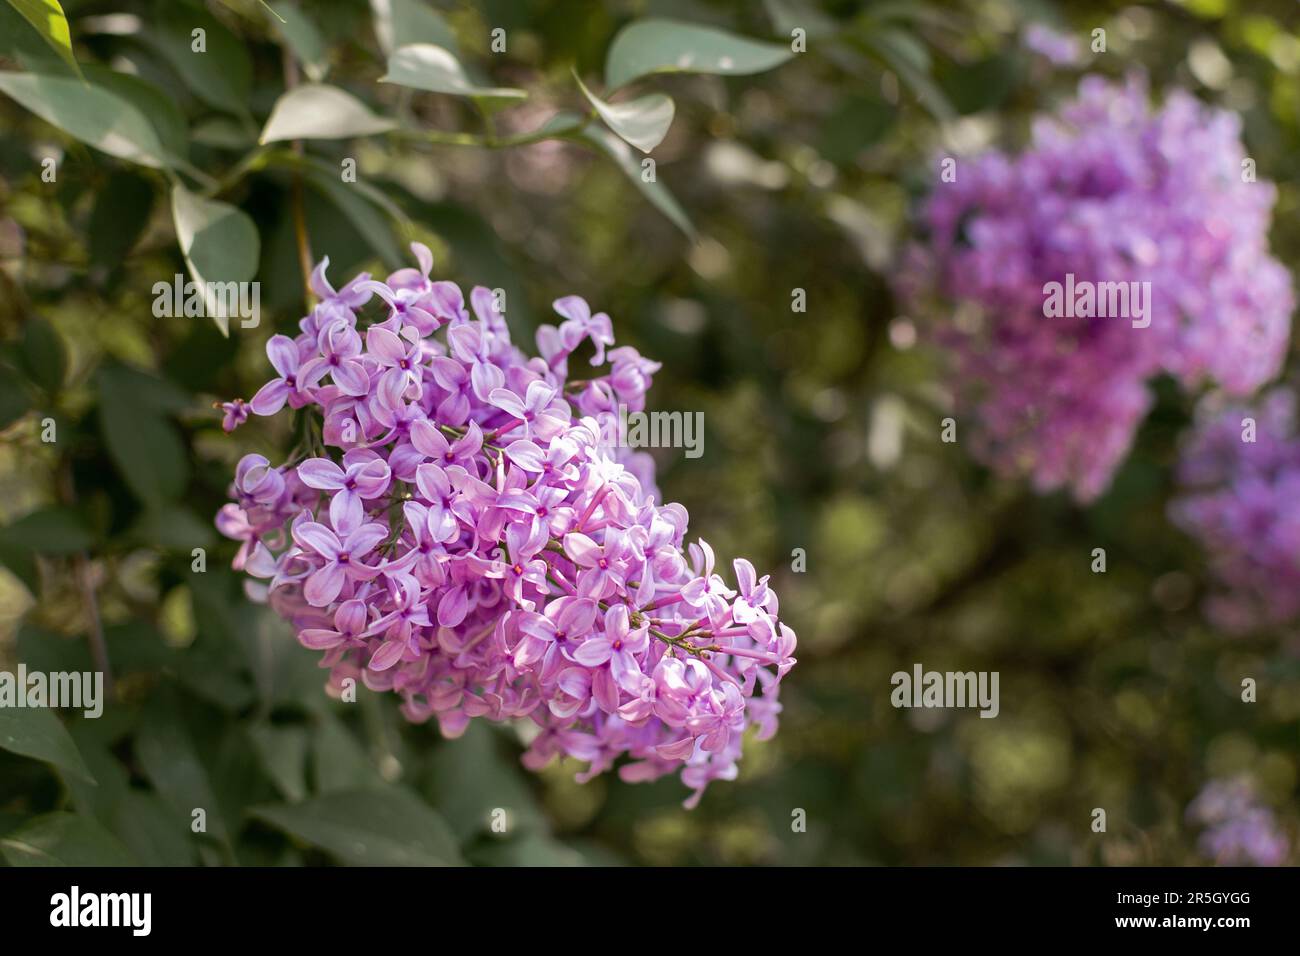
[(1239, 831), (234, 414), (1240, 478), (469, 540), (296, 376), (1109, 190)]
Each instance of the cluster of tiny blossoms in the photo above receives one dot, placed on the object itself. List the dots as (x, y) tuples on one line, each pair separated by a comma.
[(1109, 191), (461, 530), (1240, 477), (1239, 830)]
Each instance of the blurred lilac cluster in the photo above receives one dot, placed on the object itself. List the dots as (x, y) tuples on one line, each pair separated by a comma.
[(1240, 477), (1238, 830), (1109, 191), (460, 529)]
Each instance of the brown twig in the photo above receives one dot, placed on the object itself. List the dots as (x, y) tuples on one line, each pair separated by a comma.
[(86, 584), (305, 258)]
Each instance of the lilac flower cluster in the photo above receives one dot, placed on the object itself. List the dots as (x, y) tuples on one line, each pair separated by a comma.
[(1109, 191), (461, 530), (1240, 478), (1239, 831)]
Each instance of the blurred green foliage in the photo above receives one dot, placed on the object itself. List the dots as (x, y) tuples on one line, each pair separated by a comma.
[(822, 434)]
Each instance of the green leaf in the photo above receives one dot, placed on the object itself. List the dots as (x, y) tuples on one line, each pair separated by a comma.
[(237, 776), (651, 46), (121, 212), (156, 395), (398, 22), (219, 242), (531, 849), (216, 666), (286, 673), (318, 111), (643, 122), (236, 7), (304, 39), (469, 778), (424, 66), (111, 782), (43, 355), (905, 55), (54, 530), (91, 114), (64, 839), (135, 646), (222, 132), (315, 167), (369, 828), (43, 650), (155, 105), (361, 209), (154, 832), (20, 43), (222, 74), (50, 22), (37, 733), (141, 441), (168, 755), (283, 754), (338, 761), (623, 157)]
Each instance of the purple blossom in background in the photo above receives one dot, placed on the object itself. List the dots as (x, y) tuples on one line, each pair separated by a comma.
[(1239, 832), (468, 540), (1109, 191), (1059, 49), (1238, 500)]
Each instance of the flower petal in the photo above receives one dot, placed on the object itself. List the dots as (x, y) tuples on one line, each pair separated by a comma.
[(321, 473)]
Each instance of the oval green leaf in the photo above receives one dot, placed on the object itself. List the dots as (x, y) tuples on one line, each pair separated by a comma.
[(398, 22), (319, 111), (425, 66), (51, 23), (143, 444), (221, 73), (43, 354), (623, 157), (643, 122), (170, 760), (360, 208), (89, 113), (158, 109), (651, 46), (219, 242), (369, 828), (303, 38), (53, 530), (64, 839), (37, 733)]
